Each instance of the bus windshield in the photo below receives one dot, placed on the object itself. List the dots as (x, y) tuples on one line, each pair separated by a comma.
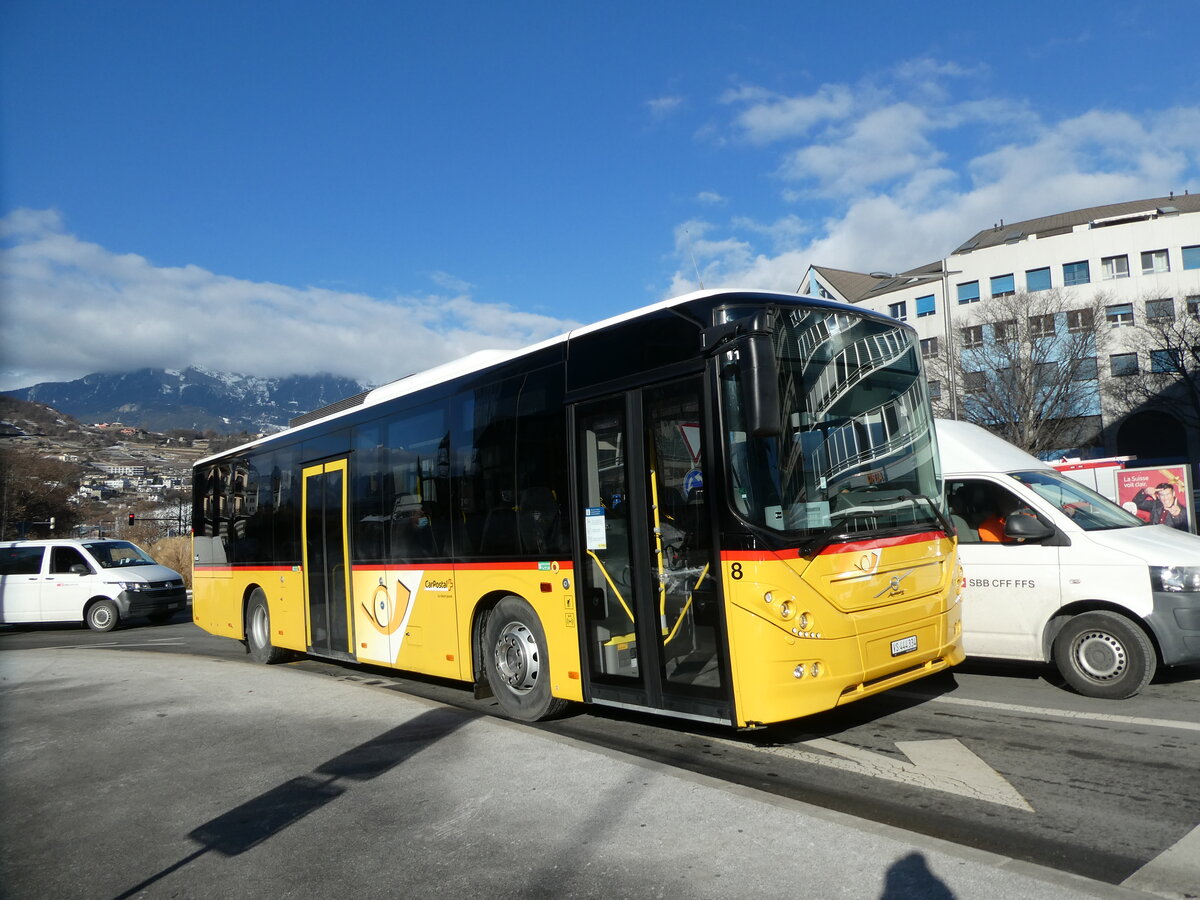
[(857, 453)]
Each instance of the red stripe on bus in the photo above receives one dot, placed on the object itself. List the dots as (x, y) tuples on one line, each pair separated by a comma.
[(461, 567), (247, 568)]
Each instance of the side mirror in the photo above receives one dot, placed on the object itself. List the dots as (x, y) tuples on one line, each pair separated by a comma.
[(1026, 527), (79, 569), (760, 386)]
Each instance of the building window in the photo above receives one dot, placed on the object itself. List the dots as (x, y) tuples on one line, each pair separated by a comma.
[(1155, 261), (1123, 364), (1080, 320), (1119, 314), (935, 389), (972, 336), (929, 347), (1115, 267), (968, 292), (974, 382), (1005, 330), (1042, 326), (1085, 370), (1162, 310), (1076, 273), (926, 306), (898, 310), (1003, 285), (1037, 280), (1193, 306), (1191, 257), (1165, 361)]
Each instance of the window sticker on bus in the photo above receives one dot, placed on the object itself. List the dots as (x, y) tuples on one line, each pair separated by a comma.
[(594, 528)]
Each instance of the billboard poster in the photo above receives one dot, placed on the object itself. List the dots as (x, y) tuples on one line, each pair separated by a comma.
[(1159, 495)]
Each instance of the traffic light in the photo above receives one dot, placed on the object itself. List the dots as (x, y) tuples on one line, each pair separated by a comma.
[(131, 518)]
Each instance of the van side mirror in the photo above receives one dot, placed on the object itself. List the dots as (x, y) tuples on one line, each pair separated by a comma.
[(1026, 527), (79, 569)]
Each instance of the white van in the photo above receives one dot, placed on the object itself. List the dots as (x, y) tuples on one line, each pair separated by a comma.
[(100, 582), (1057, 573)]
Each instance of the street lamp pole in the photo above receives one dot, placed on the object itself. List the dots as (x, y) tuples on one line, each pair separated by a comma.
[(951, 371)]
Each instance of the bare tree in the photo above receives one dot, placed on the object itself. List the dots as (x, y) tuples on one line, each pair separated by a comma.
[(1160, 368), (33, 491), (1024, 365)]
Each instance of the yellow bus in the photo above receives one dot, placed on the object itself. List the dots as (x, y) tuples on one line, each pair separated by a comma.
[(724, 507)]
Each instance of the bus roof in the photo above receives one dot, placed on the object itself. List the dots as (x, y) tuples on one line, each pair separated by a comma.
[(484, 359)]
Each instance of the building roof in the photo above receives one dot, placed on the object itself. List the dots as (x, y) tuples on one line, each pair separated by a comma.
[(858, 286), (1063, 223)]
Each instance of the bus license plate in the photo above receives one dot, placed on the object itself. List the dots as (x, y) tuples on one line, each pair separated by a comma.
[(904, 645)]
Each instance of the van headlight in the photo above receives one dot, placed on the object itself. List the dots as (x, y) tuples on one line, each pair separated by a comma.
[(1175, 578), (132, 585)]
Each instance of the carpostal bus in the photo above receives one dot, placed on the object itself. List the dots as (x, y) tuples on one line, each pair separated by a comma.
[(724, 507)]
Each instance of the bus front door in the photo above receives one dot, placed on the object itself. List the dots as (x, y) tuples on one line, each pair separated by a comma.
[(649, 585), (327, 561)]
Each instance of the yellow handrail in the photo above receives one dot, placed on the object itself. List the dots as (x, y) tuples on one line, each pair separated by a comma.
[(686, 606), (604, 572)]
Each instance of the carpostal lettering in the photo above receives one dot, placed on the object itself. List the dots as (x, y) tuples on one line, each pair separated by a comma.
[(1018, 583), (433, 585)]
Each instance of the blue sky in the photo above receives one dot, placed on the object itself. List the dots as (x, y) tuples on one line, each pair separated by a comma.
[(371, 188)]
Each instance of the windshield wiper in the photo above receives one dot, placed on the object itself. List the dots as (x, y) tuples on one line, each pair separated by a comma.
[(947, 525), (819, 542)]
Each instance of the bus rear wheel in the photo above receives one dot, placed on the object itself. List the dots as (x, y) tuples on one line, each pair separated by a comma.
[(1103, 654), (258, 631), (517, 664)]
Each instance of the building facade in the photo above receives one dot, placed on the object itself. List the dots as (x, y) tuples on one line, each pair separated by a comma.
[(1125, 269)]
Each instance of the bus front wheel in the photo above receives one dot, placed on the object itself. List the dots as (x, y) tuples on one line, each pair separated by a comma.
[(258, 631), (517, 664), (1103, 654)]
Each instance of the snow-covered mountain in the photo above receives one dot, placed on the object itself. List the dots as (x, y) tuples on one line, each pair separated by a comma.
[(163, 399)]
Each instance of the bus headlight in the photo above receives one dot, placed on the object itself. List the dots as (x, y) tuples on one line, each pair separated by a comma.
[(804, 621), (1175, 578), (785, 609)]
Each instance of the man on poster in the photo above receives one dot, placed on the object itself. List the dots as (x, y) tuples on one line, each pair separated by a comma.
[(1164, 505)]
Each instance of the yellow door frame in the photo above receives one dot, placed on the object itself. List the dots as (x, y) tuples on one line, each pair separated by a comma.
[(340, 465)]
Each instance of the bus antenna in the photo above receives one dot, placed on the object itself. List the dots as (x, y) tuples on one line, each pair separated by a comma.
[(688, 236)]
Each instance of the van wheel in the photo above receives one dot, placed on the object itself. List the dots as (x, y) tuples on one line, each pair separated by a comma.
[(1103, 654), (258, 631), (517, 664), (102, 616)]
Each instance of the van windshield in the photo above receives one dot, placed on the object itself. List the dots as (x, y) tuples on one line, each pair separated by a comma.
[(118, 554), (1087, 509)]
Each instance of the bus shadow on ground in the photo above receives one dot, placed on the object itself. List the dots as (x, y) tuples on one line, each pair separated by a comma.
[(271, 812)]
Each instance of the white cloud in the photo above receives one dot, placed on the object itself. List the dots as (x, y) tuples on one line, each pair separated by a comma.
[(711, 198), (661, 107), (894, 175), (71, 308)]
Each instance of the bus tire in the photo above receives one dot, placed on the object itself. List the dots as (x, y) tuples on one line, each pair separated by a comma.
[(517, 664), (258, 631), (1103, 654), (102, 616)]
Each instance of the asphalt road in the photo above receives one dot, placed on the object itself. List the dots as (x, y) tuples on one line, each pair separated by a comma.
[(994, 757)]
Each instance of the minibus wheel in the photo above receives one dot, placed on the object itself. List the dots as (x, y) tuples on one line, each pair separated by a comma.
[(258, 631), (102, 616), (1103, 654), (517, 664)]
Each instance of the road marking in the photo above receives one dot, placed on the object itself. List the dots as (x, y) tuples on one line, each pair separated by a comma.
[(157, 642), (1054, 713), (938, 765), (1173, 873)]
